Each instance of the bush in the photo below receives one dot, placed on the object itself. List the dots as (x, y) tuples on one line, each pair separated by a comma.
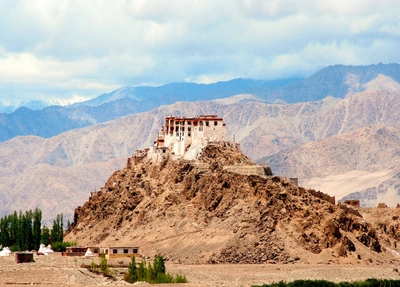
[(62, 246), (94, 267), (104, 264), (15, 248), (180, 279), (151, 273)]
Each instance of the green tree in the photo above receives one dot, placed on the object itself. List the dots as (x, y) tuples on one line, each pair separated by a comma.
[(61, 231), (159, 265), (4, 231), (57, 230), (28, 232), (21, 230), (24, 226), (142, 271), (37, 232), (104, 264), (45, 236), (132, 275), (150, 274), (21, 238), (15, 231)]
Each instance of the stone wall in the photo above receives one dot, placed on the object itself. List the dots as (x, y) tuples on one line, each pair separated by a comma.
[(352, 202), (323, 196), (248, 169), (294, 180)]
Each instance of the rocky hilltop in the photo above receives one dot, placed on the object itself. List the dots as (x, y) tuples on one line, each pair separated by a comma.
[(57, 174), (201, 211)]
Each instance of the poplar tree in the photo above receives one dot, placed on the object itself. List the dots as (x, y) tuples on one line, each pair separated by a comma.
[(15, 232), (132, 275), (4, 232), (22, 231), (58, 228), (37, 232), (45, 236)]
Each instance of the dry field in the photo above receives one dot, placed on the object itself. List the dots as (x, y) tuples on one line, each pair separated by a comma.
[(59, 271)]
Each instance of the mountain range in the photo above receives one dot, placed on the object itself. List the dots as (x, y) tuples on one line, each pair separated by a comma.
[(338, 81), (343, 145)]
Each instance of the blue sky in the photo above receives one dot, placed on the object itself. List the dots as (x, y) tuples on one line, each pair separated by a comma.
[(76, 49)]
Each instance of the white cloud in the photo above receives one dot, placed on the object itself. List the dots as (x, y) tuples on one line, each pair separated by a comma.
[(60, 48)]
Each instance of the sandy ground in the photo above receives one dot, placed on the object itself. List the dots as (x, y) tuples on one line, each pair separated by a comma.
[(59, 271), (341, 185)]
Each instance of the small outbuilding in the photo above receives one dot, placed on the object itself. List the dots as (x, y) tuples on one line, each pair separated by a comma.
[(115, 252), (23, 257)]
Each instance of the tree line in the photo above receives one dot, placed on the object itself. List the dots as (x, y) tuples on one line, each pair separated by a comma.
[(151, 273), (23, 231)]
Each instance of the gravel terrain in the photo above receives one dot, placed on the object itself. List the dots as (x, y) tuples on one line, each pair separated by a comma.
[(59, 271)]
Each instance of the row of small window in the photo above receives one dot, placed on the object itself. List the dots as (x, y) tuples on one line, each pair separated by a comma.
[(200, 123), (188, 129), (179, 135), (182, 129), (126, 251)]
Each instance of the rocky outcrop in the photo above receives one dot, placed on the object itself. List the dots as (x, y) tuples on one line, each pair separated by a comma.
[(196, 212), (57, 173)]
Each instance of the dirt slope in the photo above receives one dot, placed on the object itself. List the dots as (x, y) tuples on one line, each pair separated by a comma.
[(197, 212)]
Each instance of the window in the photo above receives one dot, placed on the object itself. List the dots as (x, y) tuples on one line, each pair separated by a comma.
[(189, 123), (201, 123), (188, 134), (125, 251), (135, 251), (115, 251), (189, 129), (207, 123), (215, 123)]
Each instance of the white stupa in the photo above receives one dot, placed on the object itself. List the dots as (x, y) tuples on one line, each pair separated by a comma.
[(5, 252), (88, 253), (49, 250), (45, 250)]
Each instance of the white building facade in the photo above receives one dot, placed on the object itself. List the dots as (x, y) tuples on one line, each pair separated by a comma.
[(180, 133)]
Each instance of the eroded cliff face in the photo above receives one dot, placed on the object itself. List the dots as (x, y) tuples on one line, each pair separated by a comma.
[(197, 212)]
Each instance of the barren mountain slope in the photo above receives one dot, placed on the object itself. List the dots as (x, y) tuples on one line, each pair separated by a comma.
[(372, 148), (339, 81), (367, 160), (197, 212), (33, 169), (46, 172)]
